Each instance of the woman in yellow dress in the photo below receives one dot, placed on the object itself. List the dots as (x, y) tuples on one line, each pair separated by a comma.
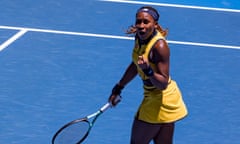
[(162, 104)]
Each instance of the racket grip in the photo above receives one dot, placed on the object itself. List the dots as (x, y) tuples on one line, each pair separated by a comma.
[(105, 107), (109, 104)]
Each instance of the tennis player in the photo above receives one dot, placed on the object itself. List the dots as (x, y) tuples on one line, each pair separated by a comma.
[(162, 104)]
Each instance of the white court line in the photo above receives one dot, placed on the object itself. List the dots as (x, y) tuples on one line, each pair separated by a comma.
[(12, 39), (204, 44), (173, 5), (23, 30)]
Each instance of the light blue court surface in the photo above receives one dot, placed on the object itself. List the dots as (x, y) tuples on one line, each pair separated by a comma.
[(60, 59)]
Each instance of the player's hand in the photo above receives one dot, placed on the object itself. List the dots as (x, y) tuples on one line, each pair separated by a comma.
[(115, 97), (142, 62), (145, 66)]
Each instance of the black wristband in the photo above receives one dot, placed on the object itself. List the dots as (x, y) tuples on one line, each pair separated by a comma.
[(117, 89), (148, 71)]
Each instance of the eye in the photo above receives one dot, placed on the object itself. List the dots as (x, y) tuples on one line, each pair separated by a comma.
[(138, 21), (144, 21)]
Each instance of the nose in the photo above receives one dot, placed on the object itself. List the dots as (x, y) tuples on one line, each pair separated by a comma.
[(140, 26)]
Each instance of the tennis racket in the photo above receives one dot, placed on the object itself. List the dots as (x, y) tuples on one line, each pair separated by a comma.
[(76, 131)]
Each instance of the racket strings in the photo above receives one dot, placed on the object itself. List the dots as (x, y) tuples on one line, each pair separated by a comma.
[(73, 133)]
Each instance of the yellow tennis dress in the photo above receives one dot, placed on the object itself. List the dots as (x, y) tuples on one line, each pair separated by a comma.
[(158, 106)]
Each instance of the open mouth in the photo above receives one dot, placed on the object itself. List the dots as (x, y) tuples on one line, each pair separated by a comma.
[(141, 33)]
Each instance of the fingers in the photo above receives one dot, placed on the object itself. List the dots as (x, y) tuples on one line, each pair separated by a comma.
[(141, 60), (113, 100)]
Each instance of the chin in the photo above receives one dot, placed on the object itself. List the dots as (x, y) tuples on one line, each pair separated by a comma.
[(142, 37)]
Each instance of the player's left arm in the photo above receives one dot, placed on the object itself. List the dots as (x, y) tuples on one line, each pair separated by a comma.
[(161, 56)]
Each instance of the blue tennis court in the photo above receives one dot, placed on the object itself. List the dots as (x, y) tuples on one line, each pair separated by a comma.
[(59, 61)]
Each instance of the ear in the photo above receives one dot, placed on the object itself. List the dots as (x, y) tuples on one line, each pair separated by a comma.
[(156, 25)]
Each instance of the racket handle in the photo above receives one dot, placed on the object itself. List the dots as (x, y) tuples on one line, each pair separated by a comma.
[(109, 104), (105, 107)]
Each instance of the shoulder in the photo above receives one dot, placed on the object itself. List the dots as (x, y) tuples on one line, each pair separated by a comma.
[(161, 48)]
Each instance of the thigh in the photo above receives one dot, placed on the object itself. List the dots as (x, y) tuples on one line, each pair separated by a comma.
[(142, 132), (165, 134)]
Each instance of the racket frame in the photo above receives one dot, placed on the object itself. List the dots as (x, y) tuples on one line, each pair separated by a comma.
[(86, 119)]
